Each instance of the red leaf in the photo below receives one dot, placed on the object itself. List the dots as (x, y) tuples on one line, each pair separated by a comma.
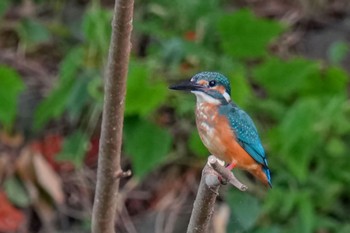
[(190, 36), (92, 154), (49, 147), (10, 218)]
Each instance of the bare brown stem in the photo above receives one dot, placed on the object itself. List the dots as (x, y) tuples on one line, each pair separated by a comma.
[(104, 210)]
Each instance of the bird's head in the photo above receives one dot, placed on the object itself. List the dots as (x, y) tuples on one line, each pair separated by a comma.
[(209, 87)]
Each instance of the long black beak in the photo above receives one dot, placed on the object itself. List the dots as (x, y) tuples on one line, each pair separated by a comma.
[(186, 86)]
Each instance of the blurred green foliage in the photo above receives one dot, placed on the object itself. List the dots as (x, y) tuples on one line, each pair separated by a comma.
[(245, 36), (11, 86), (338, 51), (153, 143), (32, 33), (74, 148), (302, 113), (145, 91), (16, 192), (245, 213), (4, 5)]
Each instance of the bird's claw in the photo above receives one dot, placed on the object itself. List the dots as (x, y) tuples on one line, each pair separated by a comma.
[(222, 180)]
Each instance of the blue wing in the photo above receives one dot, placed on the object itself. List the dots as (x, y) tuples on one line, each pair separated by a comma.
[(246, 132)]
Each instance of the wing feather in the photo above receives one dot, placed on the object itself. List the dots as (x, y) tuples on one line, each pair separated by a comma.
[(246, 132)]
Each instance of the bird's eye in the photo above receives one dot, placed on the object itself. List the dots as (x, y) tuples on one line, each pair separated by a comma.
[(212, 83)]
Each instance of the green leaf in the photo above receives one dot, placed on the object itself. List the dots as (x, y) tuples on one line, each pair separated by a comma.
[(79, 96), (16, 192), (236, 72), (272, 200), (276, 75), (33, 32), (95, 89), (11, 86), (71, 63), (97, 28), (270, 229), (272, 108), (173, 51), (185, 104), (245, 211), (196, 145), (290, 201), (345, 228), (338, 51), (333, 81), (329, 223), (333, 117), (241, 91), (145, 93), (297, 145), (306, 213), (74, 148), (245, 36), (55, 104), (304, 131), (4, 5), (147, 144)]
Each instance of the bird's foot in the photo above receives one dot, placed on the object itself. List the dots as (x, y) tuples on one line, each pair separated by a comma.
[(231, 166), (222, 180)]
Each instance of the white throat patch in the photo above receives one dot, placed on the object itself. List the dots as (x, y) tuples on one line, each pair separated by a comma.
[(227, 97), (204, 98)]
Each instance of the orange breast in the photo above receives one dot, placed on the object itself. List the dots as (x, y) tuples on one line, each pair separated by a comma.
[(216, 134)]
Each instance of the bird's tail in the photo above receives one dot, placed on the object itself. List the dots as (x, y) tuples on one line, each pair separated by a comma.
[(267, 173), (263, 174)]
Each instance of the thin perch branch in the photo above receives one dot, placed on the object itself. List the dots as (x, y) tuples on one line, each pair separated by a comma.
[(210, 183), (123, 174), (225, 174), (108, 174)]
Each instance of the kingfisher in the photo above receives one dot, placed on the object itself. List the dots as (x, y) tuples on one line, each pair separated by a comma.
[(226, 130)]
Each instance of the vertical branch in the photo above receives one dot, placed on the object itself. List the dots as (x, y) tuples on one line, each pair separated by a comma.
[(213, 175), (109, 170), (203, 206)]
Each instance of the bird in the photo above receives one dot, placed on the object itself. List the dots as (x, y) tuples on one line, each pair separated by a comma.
[(226, 130)]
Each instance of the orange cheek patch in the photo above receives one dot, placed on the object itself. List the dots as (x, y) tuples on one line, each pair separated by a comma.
[(220, 89), (203, 82)]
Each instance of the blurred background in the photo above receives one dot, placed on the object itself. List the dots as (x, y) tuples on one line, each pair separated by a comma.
[(288, 63)]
